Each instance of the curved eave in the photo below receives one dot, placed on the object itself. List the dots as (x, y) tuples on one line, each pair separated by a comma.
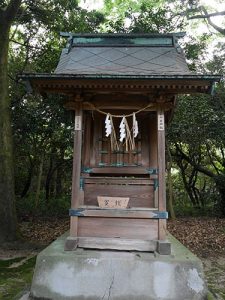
[(67, 83)]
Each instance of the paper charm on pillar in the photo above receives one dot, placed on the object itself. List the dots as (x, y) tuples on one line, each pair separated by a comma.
[(135, 126), (108, 126), (122, 130)]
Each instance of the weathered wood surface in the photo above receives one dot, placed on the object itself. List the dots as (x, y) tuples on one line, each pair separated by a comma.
[(119, 213), (162, 229), (154, 151), (161, 167), (107, 87), (132, 170), (101, 152), (130, 209), (144, 229), (76, 194), (112, 202), (86, 152), (141, 196), (161, 163), (118, 181), (117, 244), (77, 158)]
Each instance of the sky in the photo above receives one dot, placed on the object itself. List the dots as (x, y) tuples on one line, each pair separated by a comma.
[(91, 4)]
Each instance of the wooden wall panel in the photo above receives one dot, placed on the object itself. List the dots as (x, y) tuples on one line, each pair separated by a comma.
[(145, 229), (140, 196), (153, 142), (145, 143)]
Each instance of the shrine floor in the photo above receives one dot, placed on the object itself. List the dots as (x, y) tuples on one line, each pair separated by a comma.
[(117, 275)]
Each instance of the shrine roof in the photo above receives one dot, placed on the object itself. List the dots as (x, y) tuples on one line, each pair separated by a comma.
[(109, 62), (123, 54)]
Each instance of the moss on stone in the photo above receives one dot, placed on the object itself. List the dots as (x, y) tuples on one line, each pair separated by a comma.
[(15, 279)]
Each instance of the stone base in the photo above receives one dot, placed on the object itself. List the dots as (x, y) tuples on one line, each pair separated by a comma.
[(117, 275)]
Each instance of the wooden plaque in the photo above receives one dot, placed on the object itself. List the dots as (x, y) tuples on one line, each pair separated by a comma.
[(161, 122), (78, 123), (112, 202)]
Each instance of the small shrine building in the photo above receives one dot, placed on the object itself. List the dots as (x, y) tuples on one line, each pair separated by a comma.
[(123, 89)]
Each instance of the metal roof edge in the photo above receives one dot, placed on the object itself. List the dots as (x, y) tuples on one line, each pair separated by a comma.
[(170, 34), (48, 76)]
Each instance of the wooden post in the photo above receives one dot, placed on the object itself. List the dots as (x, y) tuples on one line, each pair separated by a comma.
[(71, 242), (161, 168), (153, 160)]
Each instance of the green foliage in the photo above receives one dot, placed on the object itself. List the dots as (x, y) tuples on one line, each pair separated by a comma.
[(152, 19), (14, 280), (54, 207), (207, 201), (42, 130), (139, 17), (197, 142)]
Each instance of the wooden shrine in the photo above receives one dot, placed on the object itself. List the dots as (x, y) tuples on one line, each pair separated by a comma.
[(118, 187)]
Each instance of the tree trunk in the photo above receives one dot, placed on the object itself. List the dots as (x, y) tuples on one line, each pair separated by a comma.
[(220, 184), (186, 183), (48, 179), (28, 180), (39, 177), (59, 174), (59, 181), (7, 193)]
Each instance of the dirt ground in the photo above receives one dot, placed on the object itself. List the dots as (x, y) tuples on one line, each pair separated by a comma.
[(203, 236)]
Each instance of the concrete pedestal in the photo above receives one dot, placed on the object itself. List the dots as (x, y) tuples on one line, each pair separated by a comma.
[(114, 275)]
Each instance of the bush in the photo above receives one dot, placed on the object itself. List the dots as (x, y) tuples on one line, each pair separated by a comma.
[(53, 207)]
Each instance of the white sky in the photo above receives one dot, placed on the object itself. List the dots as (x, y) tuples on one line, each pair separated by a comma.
[(91, 4)]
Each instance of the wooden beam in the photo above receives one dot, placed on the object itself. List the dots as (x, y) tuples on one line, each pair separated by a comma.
[(117, 244), (153, 159), (132, 208), (124, 228), (120, 170), (117, 105), (119, 213), (118, 180)]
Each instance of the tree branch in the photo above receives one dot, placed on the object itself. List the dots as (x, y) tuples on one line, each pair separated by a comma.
[(207, 15), (219, 29), (211, 158), (197, 167), (25, 44)]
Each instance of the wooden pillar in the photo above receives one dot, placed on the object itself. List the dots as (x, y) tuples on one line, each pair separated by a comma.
[(71, 242), (161, 170), (153, 160)]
